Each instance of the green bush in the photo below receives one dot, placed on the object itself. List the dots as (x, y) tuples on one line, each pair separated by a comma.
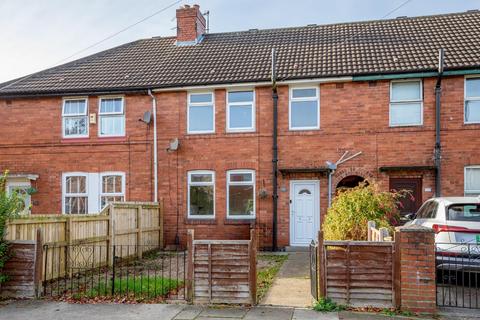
[(10, 206), (351, 210)]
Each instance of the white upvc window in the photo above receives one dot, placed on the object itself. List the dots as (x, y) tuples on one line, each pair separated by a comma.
[(111, 112), (241, 194), (75, 193), (472, 181), (74, 118), (22, 189), (201, 113), (201, 194), (112, 188), (472, 100), (406, 103), (241, 111), (304, 109)]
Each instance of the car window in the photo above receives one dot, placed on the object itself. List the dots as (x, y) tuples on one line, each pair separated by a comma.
[(421, 212), (464, 212), (431, 211)]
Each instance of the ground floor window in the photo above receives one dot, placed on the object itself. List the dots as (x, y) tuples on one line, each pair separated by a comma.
[(201, 194), (241, 194), (85, 193), (472, 181)]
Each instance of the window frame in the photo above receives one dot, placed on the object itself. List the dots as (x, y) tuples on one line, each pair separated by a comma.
[(465, 99), (241, 217), (118, 114), (292, 99), (65, 116), (252, 128), (65, 175), (116, 194), (400, 102), (470, 193), (200, 104), (189, 183)]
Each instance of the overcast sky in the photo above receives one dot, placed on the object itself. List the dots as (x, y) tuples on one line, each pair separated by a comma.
[(35, 35)]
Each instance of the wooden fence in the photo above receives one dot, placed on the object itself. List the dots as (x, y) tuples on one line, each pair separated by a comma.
[(133, 226), (357, 273), (375, 234), (222, 271), (23, 269)]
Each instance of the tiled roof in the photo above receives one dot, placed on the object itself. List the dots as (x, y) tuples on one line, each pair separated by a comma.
[(347, 49)]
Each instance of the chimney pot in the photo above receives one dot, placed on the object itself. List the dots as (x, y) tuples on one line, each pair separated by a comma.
[(191, 25)]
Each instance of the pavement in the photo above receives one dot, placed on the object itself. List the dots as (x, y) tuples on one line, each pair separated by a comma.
[(51, 310), (291, 287)]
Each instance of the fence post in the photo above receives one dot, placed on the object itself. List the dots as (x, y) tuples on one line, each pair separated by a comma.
[(111, 233), (113, 270), (68, 248), (253, 265), (38, 275), (396, 272), (139, 231), (371, 224), (383, 234), (190, 261), (160, 221), (321, 267)]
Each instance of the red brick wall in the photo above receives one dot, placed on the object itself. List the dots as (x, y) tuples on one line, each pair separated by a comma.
[(416, 278), (354, 117)]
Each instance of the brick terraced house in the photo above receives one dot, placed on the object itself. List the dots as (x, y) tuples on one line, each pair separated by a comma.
[(236, 150)]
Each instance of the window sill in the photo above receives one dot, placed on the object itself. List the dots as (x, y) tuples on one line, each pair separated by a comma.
[(74, 140), (113, 138), (204, 221), (246, 221)]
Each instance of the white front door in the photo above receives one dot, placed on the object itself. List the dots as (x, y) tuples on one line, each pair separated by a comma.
[(304, 211)]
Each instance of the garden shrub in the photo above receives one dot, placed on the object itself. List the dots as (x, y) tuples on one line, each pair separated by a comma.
[(10, 206), (351, 210)]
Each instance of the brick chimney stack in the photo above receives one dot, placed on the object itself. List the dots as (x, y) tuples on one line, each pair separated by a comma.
[(191, 25)]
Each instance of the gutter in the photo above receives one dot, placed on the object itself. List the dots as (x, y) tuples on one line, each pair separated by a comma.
[(155, 156)]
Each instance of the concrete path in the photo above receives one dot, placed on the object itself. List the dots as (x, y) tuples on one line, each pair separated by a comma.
[(45, 310), (292, 285)]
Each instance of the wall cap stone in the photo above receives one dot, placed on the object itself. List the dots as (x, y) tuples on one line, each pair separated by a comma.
[(414, 228)]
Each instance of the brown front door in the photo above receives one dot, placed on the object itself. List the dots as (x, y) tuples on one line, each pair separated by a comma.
[(412, 202)]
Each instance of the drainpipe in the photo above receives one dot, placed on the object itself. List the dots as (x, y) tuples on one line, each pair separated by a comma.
[(275, 153), (155, 155), (438, 146)]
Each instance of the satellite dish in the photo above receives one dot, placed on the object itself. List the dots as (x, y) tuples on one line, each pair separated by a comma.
[(174, 144), (147, 117)]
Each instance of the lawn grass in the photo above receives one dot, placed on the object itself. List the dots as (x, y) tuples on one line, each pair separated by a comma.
[(148, 287), (266, 274)]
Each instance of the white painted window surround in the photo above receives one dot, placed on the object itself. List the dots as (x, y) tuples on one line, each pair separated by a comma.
[(472, 181), (241, 194), (201, 113), (472, 100), (87, 193), (304, 108), (201, 194), (75, 118), (406, 103), (111, 115), (241, 110)]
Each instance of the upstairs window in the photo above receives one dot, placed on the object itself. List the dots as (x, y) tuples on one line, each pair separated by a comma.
[(111, 117), (472, 100), (201, 194), (201, 113), (241, 111), (75, 119), (113, 188), (406, 105), (241, 194), (472, 181), (304, 109), (75, 193)]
